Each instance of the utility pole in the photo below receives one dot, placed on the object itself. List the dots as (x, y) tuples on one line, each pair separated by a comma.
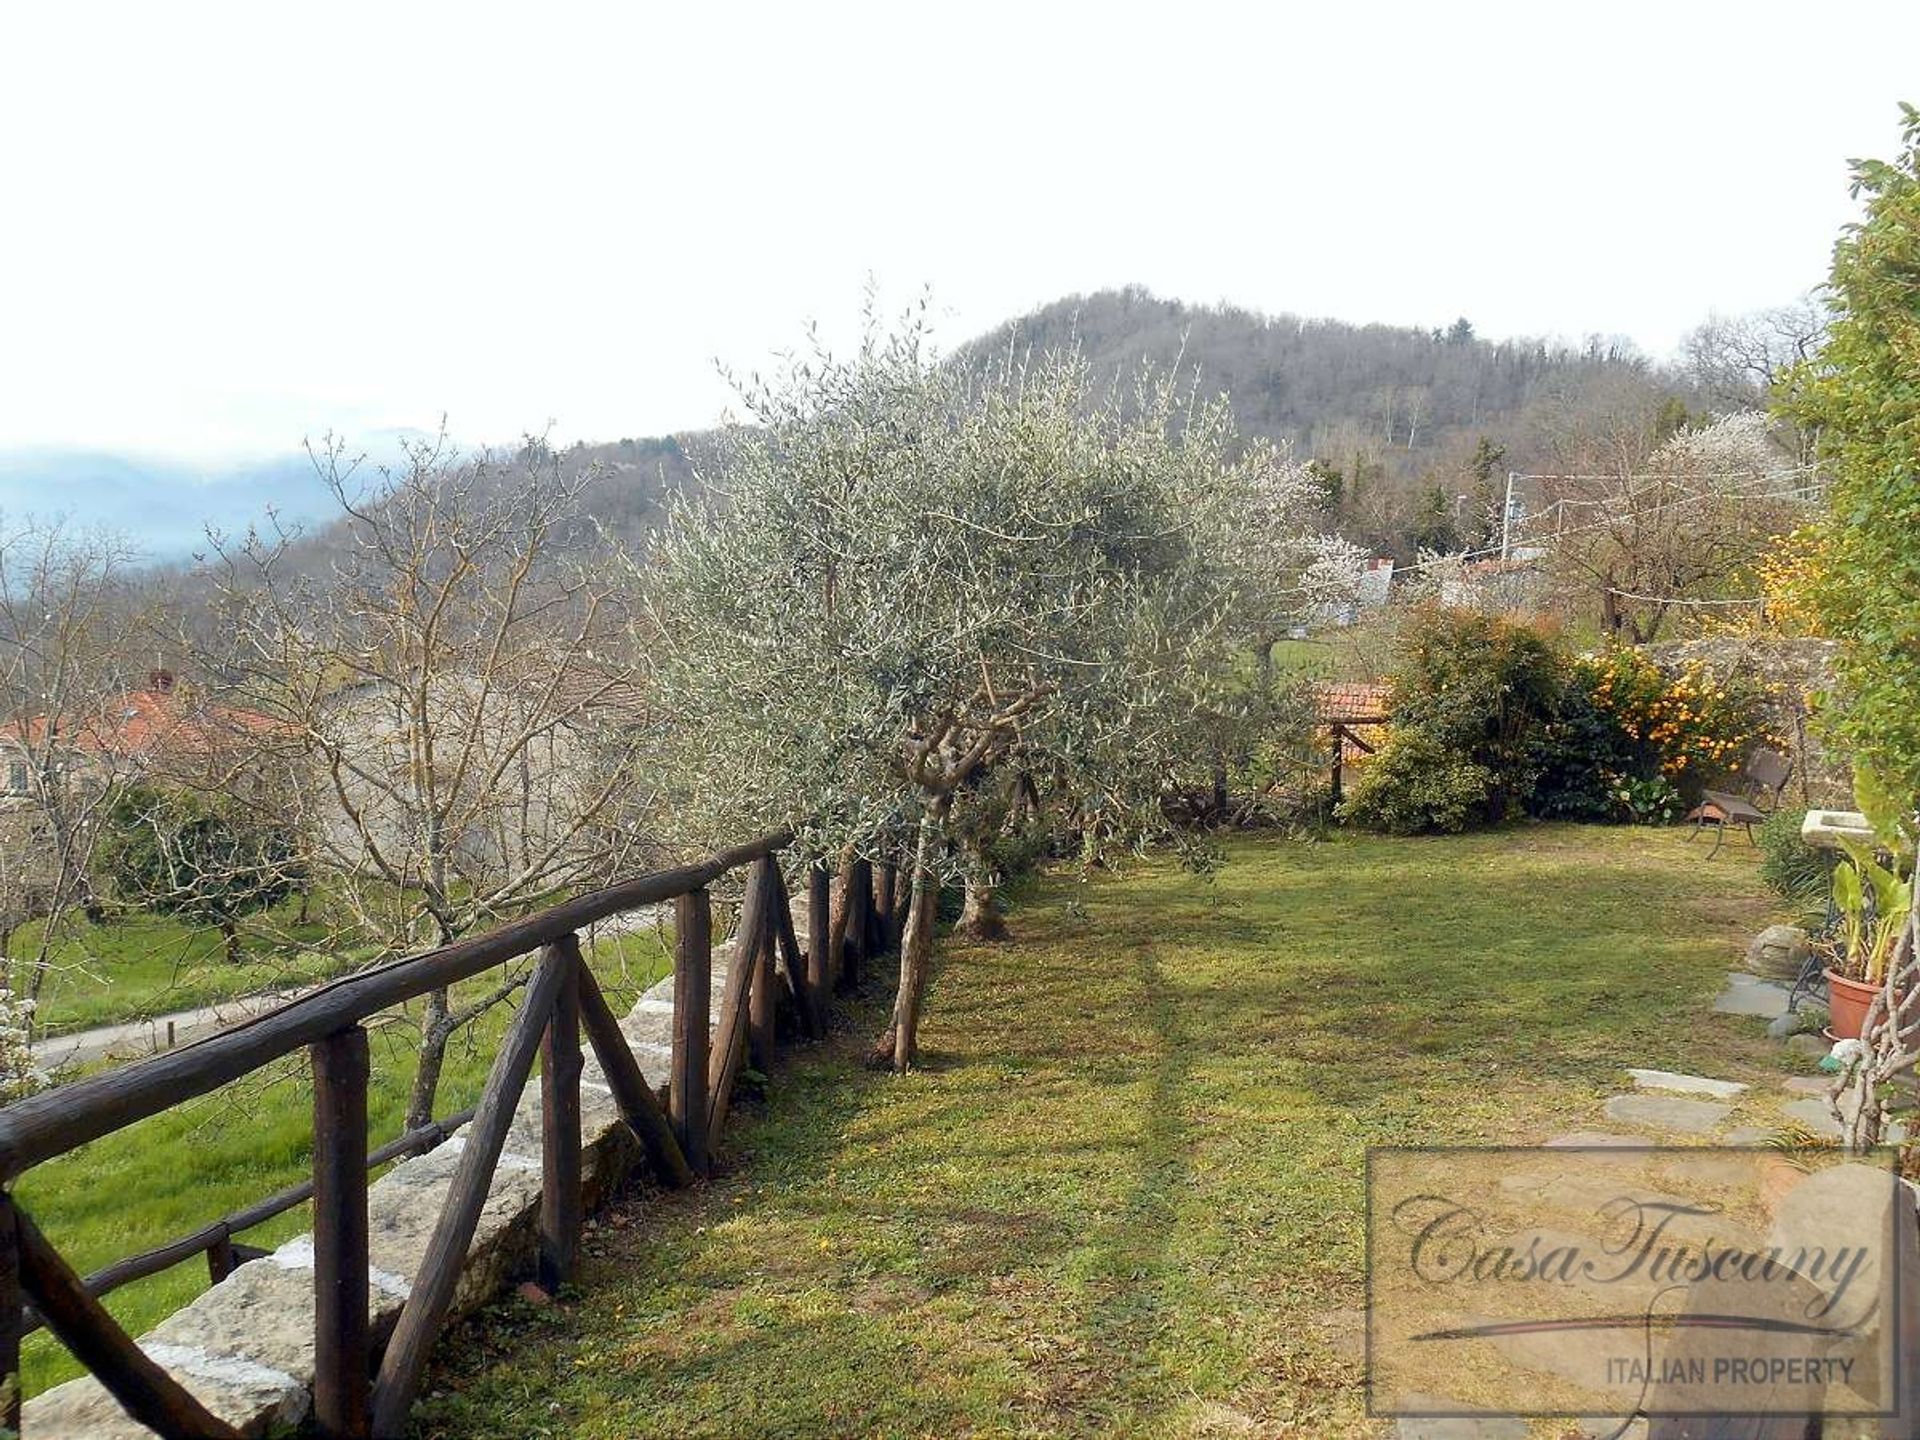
[(1506, 519)]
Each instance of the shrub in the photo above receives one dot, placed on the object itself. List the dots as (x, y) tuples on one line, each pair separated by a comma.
[(1649, 800), (1794, 869), (178, 853), (1419, 783), (1858, 395), (1479, 688), (1582, 757), (1683, 724)]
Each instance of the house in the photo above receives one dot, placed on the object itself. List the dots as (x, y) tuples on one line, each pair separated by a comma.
[(1513, 585), (497, 776)]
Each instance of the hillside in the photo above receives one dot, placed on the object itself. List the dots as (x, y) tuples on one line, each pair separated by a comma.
[(1400, 395)]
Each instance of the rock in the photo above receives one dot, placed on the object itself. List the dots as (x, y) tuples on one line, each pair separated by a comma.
[(1806, 1019), (1669, 1113), (1595, 1140), (1778, 953), (1812, 1114), (1606, 1427), (1808, 1085), (1750, 995), (1490, 1427), (532, 1293), (1686, 1084), (1811, 1048)]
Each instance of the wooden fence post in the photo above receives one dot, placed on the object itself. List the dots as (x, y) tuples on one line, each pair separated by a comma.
[(751, 935), (640, 1108), (692, 1004), (342, 1377), (757, 950), (886, 891), (819, 933), (10, 1313), (790, 957), (220, 1253), (560, 1061), (438, 1276), (859, 920)]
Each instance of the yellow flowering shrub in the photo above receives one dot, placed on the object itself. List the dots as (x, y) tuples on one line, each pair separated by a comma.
[(1686, 724)]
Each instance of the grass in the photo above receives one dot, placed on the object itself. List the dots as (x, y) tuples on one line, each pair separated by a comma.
[(137, 965), (169, 1175), (1124, 1196)]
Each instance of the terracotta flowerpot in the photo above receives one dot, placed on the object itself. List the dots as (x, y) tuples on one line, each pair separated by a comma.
[(1847, 1005)]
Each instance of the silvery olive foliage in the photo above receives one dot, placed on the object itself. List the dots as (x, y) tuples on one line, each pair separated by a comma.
[(900, 579), (898, 575)]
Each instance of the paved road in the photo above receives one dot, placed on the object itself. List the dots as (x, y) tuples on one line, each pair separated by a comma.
[(132, 1039)]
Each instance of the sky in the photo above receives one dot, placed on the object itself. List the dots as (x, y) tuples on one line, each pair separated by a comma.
[(227, 228)]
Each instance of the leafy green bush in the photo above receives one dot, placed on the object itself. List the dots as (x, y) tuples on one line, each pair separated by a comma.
[(179, 853), (1471, 694), (1858, 395), (1794, 869), (1649, 800), (1418, 783), (1581, 757)]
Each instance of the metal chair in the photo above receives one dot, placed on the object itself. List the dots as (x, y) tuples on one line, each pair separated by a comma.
[(1762, 778)]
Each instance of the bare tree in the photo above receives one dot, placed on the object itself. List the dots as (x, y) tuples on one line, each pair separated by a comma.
[(1738, 360), (1636, 531), (452, 702), (64, 607)]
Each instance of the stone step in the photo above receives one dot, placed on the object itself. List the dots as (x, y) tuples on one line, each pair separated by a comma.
[(1668, 1113), (1750, 995), (1667, 1080)]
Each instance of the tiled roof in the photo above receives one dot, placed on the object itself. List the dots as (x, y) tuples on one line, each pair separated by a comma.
[(1348, 701), (141, 723)]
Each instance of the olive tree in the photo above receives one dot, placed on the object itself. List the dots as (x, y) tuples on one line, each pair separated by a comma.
[(901, 583)]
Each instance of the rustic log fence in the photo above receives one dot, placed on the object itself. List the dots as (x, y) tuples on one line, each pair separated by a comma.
[(562, 1000)]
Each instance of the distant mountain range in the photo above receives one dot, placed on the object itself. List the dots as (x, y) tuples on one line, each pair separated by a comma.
[(166, 506)]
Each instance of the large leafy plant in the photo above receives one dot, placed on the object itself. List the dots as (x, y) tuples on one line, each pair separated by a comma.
[(1859, 395)]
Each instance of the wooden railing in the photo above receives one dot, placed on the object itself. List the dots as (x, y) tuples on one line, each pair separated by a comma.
[(562, 999)]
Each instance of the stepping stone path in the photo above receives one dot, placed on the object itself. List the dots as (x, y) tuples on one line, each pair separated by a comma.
[(1750, 995), (1687, 1084), (1669, 1113)]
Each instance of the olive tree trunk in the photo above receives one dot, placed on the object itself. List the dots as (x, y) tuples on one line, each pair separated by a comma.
[(898, 1048)]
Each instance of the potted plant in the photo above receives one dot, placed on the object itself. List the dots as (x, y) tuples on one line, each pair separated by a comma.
[(1870, 900)]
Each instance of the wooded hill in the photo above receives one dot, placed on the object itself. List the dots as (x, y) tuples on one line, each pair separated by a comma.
[(1403, 420)]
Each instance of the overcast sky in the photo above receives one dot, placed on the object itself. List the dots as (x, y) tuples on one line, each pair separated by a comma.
[(226, 228)]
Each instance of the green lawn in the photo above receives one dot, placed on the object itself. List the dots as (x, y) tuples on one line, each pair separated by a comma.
[(138, 965), (172, 1174), (1124, 1197)]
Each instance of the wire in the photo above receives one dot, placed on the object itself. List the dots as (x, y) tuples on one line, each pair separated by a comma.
[(1807, 492), (1679, 600)]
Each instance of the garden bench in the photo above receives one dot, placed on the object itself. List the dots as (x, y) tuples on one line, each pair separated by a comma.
[(1762, 778)]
